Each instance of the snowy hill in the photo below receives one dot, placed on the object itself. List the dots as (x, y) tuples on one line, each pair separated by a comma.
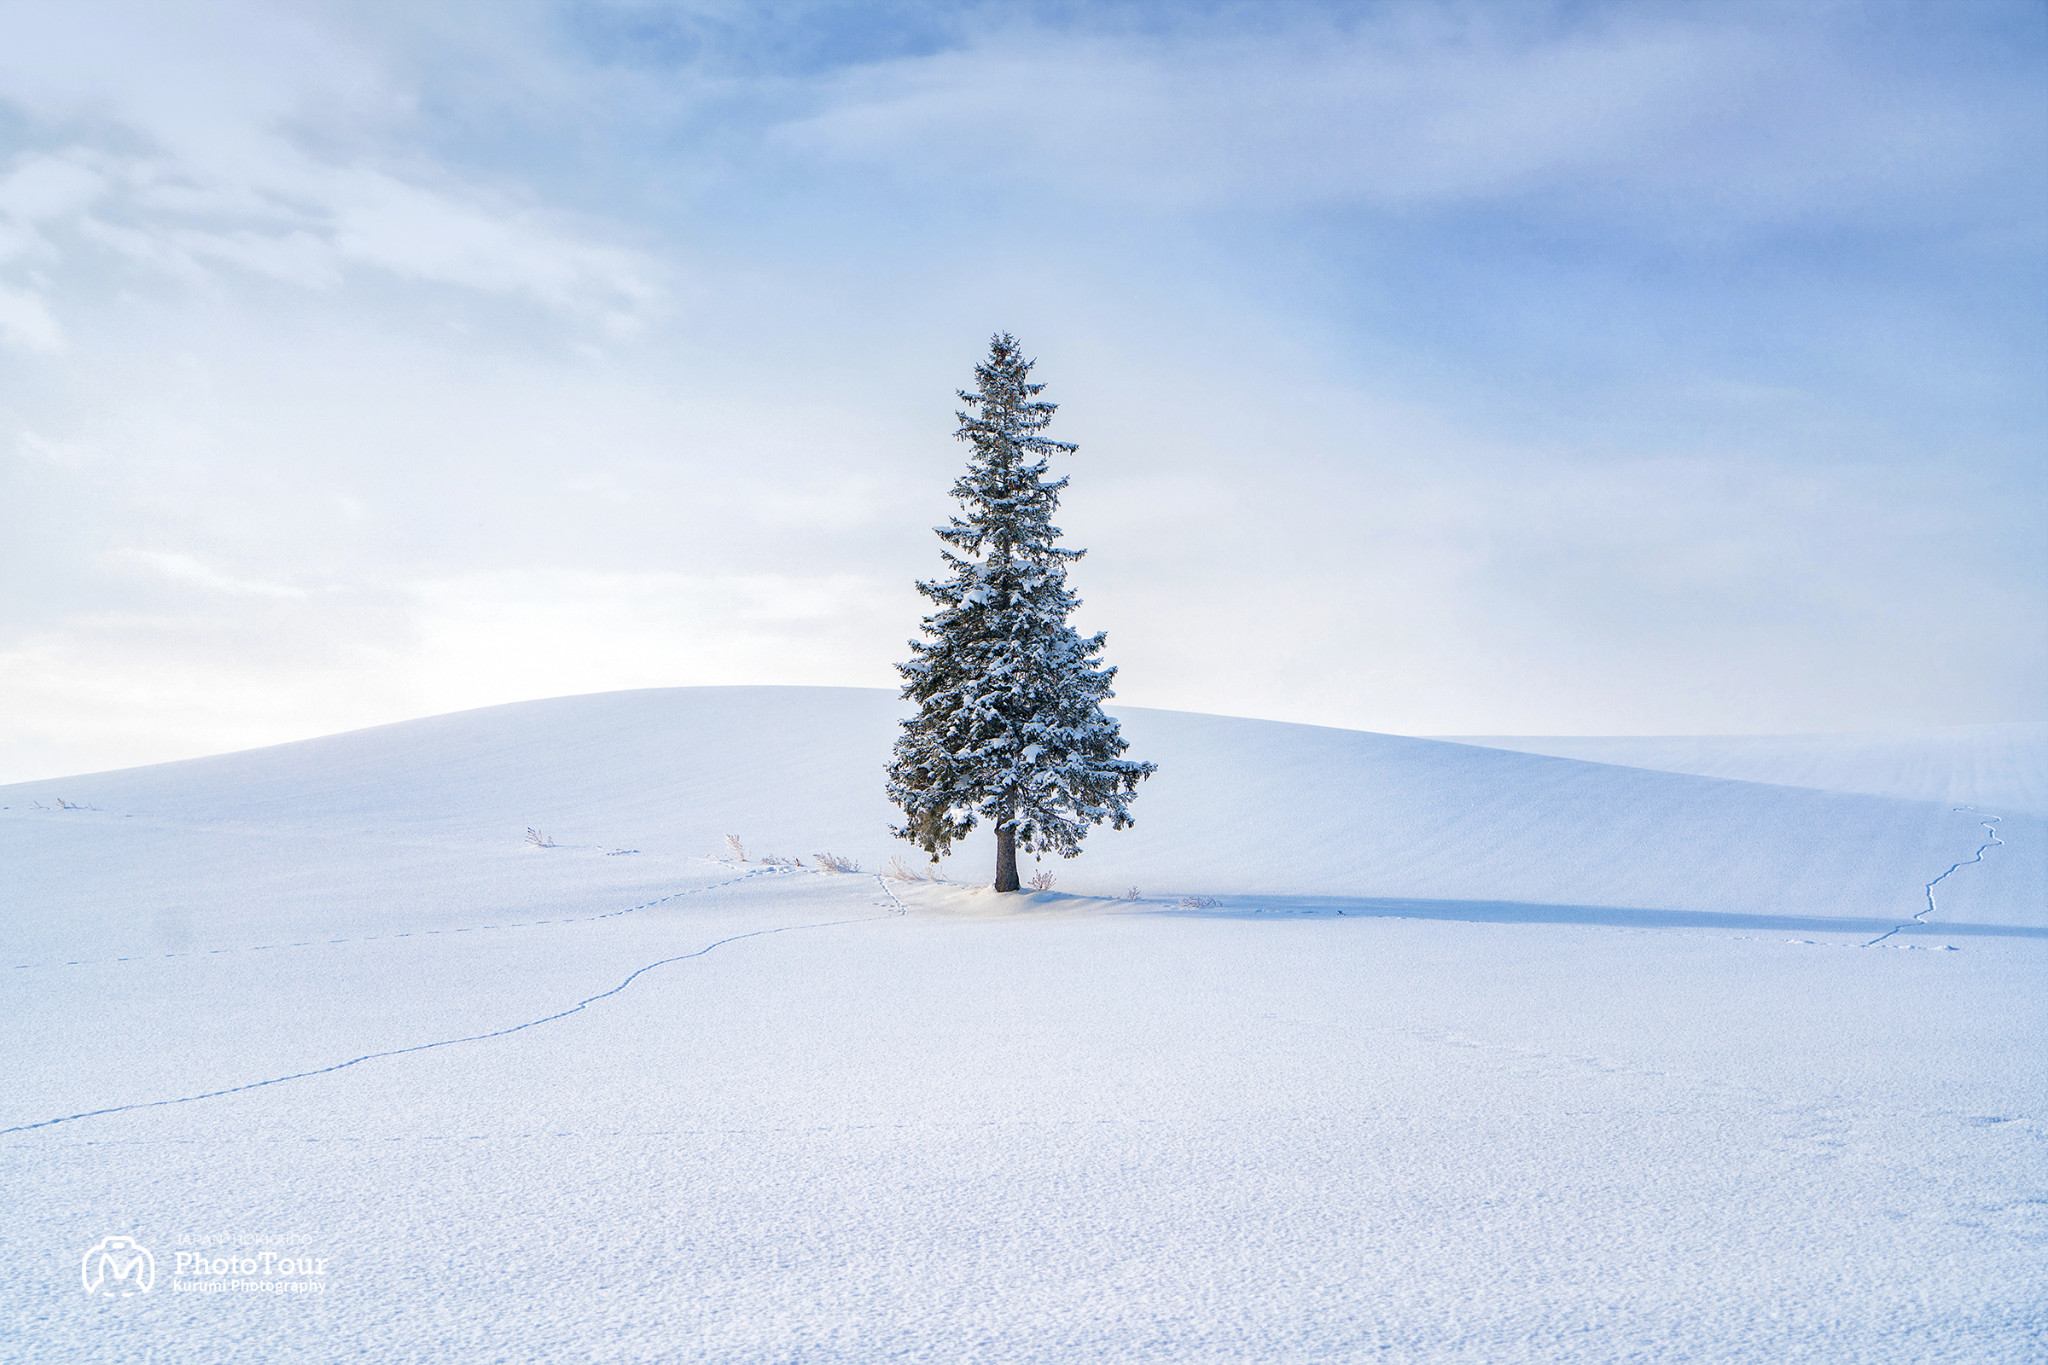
[(1240, 808), (1998, 767), (1478, 1055)]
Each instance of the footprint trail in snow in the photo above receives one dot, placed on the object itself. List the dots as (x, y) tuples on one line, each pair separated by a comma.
[(1992, 841)]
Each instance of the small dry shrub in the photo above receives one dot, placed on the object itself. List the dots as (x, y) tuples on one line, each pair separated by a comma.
[(903, 872), (1041, 881), (1134, 894), (739, 850), (770, 860), (1199, 902), (538, 839), (832, 862)]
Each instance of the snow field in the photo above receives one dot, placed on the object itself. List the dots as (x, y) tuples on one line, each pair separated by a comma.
[(1997, 766), (853, 1120)]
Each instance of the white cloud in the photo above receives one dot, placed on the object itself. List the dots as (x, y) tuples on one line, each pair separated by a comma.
[(41, 187), (293, 218), (1744, 119), (536, 633), (194, 163), (232, 662), (25, 321), (187, 571), (381, 221)]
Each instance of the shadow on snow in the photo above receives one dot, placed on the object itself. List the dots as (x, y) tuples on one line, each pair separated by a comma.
[(1524, 912)]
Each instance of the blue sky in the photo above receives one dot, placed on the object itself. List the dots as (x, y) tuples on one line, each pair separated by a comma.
[(1438, 368)]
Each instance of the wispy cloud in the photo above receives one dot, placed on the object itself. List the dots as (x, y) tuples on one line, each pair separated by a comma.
[(186, 571), (25, 321), (222, 173), (1749, 117)]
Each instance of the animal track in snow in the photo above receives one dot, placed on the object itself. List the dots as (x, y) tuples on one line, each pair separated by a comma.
[(1921, 918), (424, 1047)]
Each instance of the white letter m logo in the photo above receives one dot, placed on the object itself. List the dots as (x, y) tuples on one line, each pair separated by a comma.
[(128, 1262)]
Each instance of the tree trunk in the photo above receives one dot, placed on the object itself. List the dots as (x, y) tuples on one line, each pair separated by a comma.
[(1006, 858)]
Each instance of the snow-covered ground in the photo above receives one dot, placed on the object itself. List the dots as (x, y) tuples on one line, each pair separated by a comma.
[(1996, 765), (1479, 1055)]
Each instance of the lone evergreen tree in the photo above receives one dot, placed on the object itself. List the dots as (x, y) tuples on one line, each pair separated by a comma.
[(1009, 727)]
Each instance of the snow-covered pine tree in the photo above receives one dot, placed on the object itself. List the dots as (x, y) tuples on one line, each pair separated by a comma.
[(1009, 726)]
